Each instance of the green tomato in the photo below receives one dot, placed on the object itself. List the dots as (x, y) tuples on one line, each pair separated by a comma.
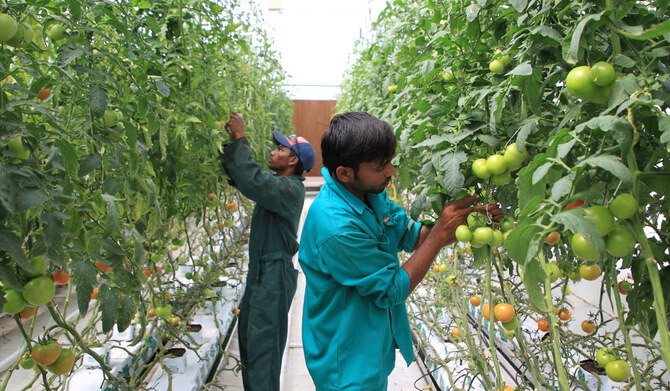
[(589, 272), (16, 145), (602, 218), (164, 311), (476, 219), (8, 27), (110, 118), (39, 290), (512, 324), (392, 88), (15, 302), (23, 37), (63, 363), (507, 224), (483, 235), (624, 206), (496, 66), (501, 179), (605, 355), (620, 242), (584, 249), (602, 73), (480, 170), (56, 32), (513, 157), (554, 271), (617, 370), (38, 265), (463, 233), (579, 83), (498, 238), (495, 164), (506, 59)]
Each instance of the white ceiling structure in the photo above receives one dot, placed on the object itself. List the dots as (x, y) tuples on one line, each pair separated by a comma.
[(315, 40)]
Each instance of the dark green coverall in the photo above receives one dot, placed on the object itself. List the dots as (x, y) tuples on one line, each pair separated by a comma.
[(271, 279)]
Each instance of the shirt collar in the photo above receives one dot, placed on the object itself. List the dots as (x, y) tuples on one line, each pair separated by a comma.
[(376, 200)]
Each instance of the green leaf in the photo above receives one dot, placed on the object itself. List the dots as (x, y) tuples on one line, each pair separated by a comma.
[(439, 110), (109, 303), (113, 217), (574, 220), (548, 32), (471, 12), (418, 206), (153, 24), (522, 242), (527, 190), (613, 165), (427, 66), (12, 244), (562, 187), (8, 275), (519, 5), (84, 278), (67, 55), (69, 155), (526, 128), (573, 53), (127, 311), (97, 100), (533, 279), (664, 127), (523, 69), (54, 230), (449, 166), (637, 32), (540, 172), (620, 128), (90, 163), (163, 88)]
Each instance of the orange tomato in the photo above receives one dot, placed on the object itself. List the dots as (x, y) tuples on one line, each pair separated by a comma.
[(27, 312), (94, 294), (503, 312), (552, 238), (588, 327), (44, 93), (564, 314), (231, 206), (475, 301), (543, 325), (236, 311), (103, 268), (485, 312), (211, 195), (151, 313)]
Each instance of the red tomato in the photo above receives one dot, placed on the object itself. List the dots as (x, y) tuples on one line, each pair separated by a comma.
[(61, 277), (575, 204)]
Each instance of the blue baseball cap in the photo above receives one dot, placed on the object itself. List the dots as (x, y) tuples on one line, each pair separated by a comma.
[(300, 146)]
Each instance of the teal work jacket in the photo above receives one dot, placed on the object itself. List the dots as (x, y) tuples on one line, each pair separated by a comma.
[(354, 314)]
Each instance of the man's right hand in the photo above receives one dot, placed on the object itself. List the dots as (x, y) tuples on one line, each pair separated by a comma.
[(235, 126), (455, 213)]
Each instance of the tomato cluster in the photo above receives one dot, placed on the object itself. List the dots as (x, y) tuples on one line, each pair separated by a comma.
[(593, 84), (619, 239), (477, 233), (498, 167)]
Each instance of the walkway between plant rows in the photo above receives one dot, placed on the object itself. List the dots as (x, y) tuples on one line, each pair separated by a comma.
[(294, 375)]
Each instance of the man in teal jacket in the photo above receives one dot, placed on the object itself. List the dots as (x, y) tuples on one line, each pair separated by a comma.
[(354, 314), (271, 278)]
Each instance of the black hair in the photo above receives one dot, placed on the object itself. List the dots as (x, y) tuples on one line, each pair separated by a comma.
[(298, 168), (354, 138)]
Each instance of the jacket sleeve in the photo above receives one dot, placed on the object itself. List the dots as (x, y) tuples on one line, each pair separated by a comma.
[(407, 229), (280, 195), (354, 259)]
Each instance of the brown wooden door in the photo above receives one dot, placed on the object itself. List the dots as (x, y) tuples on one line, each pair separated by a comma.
[(310, 120)]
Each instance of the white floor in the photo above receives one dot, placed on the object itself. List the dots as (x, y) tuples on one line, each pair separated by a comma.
[(295, 376)]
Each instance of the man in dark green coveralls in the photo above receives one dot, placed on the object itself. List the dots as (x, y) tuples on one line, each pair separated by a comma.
[(271, 279)]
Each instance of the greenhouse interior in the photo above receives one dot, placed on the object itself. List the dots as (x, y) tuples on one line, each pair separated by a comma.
[(334, 195)]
